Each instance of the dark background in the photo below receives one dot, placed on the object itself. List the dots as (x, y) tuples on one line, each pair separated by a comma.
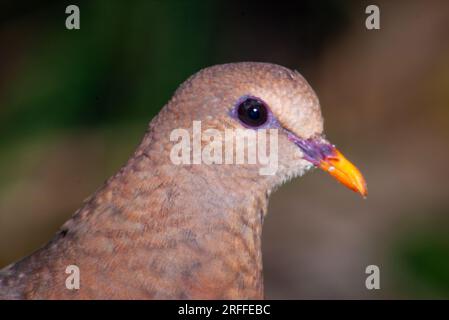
[(75, 104)]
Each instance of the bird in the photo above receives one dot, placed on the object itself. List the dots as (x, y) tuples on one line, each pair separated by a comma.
[(163, 230)]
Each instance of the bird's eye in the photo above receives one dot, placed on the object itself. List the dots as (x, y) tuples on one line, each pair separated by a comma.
[(252, 112)]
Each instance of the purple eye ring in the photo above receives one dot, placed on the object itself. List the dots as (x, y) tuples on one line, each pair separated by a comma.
[(252, 112)]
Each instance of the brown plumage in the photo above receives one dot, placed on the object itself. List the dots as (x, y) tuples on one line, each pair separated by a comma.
[(157, 230)]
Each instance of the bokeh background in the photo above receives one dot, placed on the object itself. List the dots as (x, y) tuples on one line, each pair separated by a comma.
[(75, 104)]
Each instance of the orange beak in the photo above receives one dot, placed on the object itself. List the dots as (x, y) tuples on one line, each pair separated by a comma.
[(325, 156), (344, 171)]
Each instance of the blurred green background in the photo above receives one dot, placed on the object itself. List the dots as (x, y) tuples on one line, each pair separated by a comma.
[(75, 104)]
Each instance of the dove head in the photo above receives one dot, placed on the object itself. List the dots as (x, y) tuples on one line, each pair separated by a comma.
[(270, 116)]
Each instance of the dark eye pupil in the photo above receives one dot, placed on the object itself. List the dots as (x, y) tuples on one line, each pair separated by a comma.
[(252, 112)]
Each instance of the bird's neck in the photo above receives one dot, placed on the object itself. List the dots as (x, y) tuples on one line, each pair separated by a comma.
[(194, 230)]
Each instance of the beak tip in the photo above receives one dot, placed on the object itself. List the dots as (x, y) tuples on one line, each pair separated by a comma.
[(362, 189), (364, 195), (345, 172)]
